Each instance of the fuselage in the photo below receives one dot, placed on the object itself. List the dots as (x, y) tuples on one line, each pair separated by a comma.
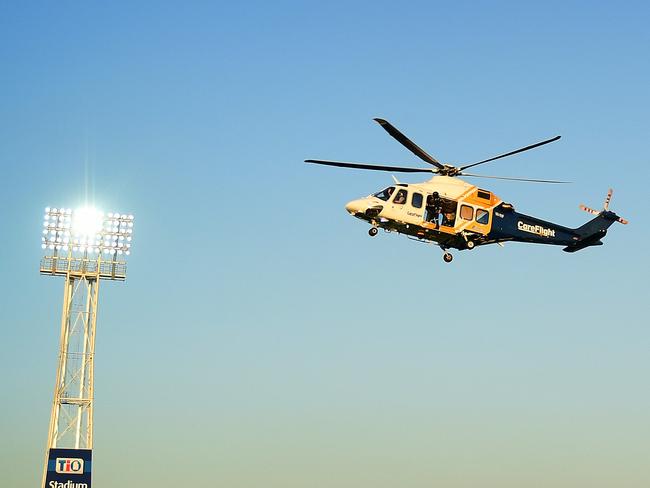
[(464, 217)]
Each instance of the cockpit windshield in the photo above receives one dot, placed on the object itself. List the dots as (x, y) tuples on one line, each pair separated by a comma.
[(385, 194)]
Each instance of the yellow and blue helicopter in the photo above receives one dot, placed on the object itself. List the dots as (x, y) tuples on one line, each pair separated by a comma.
[(458, 215)]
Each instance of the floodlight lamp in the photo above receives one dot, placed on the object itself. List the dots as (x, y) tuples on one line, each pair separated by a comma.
[(86, 221)]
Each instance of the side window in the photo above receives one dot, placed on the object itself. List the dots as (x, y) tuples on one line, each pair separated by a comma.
[(416, 200), (400, 198), (482, 216), (466, 212)]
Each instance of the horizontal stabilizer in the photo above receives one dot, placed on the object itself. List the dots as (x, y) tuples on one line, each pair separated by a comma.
[(590, 240)]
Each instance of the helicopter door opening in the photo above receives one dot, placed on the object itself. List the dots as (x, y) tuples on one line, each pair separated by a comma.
[(441, 211)]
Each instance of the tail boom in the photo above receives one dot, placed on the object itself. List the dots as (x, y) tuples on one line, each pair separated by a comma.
[(509, 225)]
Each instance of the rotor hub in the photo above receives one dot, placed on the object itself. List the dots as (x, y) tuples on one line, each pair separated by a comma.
[(448, 170)]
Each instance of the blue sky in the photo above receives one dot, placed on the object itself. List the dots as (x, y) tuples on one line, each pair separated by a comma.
[(262, 338)]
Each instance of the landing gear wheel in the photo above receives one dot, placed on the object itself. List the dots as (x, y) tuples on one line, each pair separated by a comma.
[(373, 231), (447, 257), (470, 245)]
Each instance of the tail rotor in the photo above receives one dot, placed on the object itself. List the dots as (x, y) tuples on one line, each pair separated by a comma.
[(605, 209), (608, 198), (589, 210)]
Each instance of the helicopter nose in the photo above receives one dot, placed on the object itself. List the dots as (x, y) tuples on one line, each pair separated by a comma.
[(356, 206)]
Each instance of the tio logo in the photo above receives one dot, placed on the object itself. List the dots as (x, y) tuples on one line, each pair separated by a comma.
[(69, 465)]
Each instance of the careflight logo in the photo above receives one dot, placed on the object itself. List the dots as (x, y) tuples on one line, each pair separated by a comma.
[(536, 229), (69, 465)]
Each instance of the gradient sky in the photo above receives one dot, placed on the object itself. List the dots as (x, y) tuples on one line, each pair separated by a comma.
[(262, 339)]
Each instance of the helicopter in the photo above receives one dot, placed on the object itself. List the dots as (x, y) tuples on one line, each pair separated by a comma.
[(454, 214)]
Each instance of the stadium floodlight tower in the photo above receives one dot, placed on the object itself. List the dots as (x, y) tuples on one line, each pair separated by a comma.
[(84, 246)]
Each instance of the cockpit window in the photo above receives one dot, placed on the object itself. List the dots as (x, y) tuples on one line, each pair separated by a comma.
[(400, 198), (385, 194)]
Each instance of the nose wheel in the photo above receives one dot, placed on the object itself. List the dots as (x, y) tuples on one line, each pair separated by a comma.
[(447, 257), (373, 231)]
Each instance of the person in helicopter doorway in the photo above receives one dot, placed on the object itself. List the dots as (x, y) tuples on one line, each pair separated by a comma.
[(449, 218), (434, 208)]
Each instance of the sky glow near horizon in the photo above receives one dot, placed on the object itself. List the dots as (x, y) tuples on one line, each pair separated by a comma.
[(262, 338)]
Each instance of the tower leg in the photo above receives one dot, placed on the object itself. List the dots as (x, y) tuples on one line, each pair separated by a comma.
[(72, 407)]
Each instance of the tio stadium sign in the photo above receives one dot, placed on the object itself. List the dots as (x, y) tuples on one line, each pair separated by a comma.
[(68, 468)]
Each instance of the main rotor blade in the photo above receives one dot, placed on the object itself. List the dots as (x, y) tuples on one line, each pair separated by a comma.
[(532, 146), (408, 143), (397, 169), (513, 179)]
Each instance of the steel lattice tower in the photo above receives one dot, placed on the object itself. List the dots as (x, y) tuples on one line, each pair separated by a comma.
[(85, 247)]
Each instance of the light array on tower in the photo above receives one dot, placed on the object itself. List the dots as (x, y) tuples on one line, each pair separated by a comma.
[(87, 230)]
